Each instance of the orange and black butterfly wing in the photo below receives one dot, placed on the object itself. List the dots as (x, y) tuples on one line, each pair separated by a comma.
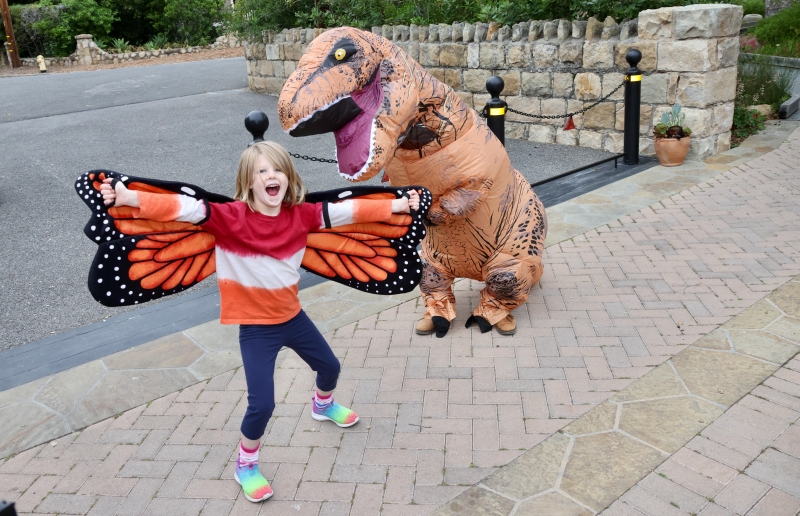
[(138, 260), (378, 257)]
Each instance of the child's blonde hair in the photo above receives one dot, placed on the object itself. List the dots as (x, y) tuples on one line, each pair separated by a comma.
[(280, 159)]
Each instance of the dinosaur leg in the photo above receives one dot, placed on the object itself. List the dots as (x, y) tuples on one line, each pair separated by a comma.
[(508, 282), (440, 303)]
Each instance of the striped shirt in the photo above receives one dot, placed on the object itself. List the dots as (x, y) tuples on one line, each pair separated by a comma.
[(257, 255)]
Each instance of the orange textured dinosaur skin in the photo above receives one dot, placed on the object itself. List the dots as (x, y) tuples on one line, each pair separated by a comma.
[(387, 112)]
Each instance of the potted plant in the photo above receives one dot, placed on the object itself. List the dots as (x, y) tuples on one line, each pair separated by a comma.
[(672, 138)]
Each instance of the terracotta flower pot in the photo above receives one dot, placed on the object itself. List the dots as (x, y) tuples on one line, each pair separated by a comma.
[(671, 151)]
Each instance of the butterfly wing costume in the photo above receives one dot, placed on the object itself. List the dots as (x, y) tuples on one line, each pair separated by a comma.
[(139, 260)]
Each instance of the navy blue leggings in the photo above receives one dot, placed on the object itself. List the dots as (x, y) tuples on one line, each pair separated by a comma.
[(260, 344)]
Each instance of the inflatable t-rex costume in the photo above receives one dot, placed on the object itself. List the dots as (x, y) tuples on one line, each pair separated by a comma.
[(387, 112)]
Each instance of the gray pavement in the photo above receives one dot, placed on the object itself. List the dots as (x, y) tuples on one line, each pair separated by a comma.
[(176, 121)]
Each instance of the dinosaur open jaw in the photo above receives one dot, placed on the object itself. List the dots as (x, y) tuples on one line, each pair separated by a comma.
[(351, 118), (355, 141), (330, 117)]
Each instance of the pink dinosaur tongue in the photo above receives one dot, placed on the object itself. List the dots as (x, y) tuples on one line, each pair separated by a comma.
[(354, 139)]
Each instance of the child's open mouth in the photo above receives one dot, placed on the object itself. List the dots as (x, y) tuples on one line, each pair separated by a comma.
[(273, 190)]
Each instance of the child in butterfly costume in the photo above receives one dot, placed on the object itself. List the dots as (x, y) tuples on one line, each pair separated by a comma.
[(260, 241)]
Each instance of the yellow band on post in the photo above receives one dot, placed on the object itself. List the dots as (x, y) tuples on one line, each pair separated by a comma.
[(633, 78), (497, 111)]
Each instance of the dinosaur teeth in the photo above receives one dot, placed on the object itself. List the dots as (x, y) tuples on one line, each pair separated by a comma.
[(323, 108), (370, 156)]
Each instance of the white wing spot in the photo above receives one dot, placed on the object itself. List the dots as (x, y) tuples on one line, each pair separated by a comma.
[(187, 190)]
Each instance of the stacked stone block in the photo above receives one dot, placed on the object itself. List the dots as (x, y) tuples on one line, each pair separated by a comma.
[(555, 67)]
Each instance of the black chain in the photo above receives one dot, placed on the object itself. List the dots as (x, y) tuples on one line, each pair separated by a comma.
[(312, 158), (556, 117), (483, 114)]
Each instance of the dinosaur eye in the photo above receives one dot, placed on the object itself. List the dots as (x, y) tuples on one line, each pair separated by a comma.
[(340, 54)]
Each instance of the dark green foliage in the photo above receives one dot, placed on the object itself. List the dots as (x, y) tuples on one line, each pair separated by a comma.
[(31, 42), (746, 121), (135, 19), (192, 21), (780, 27), (252, 17), (753, 7), (50, 28)]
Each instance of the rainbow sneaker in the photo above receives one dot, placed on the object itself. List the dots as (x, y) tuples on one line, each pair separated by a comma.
[(255, 486), (340, 415)]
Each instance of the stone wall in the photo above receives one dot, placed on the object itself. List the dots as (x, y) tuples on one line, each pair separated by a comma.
[(555, 67), (88, 53)]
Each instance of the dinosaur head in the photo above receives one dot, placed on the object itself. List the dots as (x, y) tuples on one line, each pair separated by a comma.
[(349, 82)]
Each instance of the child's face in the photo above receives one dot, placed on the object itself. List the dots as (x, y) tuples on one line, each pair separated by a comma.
[(269, 187)]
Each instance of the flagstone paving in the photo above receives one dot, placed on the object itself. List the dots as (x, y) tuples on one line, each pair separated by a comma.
[(747, 462), (440, 415)]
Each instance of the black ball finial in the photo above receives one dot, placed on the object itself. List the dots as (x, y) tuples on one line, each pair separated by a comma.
[(256, 123), (495, 85), (633, 57)]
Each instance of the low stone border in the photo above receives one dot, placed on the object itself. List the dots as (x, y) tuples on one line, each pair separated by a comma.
[(786, 62), (89, 53), (47, 408), (789, 107), (593, 461)]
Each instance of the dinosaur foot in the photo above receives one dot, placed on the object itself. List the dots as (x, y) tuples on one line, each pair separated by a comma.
[(441, 324), (483, 324)]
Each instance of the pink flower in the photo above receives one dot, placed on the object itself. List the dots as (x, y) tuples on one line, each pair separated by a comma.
[(750, 43)]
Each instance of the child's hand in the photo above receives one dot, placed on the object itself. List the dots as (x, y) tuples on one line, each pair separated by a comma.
[(413, 200), (118, 196)]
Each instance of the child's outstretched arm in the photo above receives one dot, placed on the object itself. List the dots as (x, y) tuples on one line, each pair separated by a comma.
[(360, 211), (155, 206)]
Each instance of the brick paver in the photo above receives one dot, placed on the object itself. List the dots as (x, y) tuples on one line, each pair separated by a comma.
[(709, 477), (440, 414)]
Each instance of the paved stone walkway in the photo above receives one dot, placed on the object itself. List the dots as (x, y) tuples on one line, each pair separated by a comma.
[(747, 462), (439, 415)]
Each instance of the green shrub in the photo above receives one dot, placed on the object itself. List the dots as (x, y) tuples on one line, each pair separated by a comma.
[(760, 82), (252, 17), (781, 27), (160, 41), (746, 121), (30, 40), (754, 7), (192, 21), (136, 18), (75, 17), (119, 45)]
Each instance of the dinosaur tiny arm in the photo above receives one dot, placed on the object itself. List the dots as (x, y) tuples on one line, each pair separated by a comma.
[(459, 202)]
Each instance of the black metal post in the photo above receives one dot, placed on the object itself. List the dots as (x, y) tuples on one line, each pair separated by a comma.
[(495, 109), (256, 123), (633, 100)]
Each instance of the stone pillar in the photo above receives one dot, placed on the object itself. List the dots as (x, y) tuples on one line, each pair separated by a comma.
[(697, 53), (86, 50)]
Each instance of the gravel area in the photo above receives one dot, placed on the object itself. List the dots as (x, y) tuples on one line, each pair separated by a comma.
[(180, 121)]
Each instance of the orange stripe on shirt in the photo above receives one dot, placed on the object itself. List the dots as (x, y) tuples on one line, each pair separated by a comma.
[(371, 211), (158, 207), (254, 305)]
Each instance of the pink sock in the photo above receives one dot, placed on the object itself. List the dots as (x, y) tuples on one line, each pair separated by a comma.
[(246, 455), (323, 401)]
